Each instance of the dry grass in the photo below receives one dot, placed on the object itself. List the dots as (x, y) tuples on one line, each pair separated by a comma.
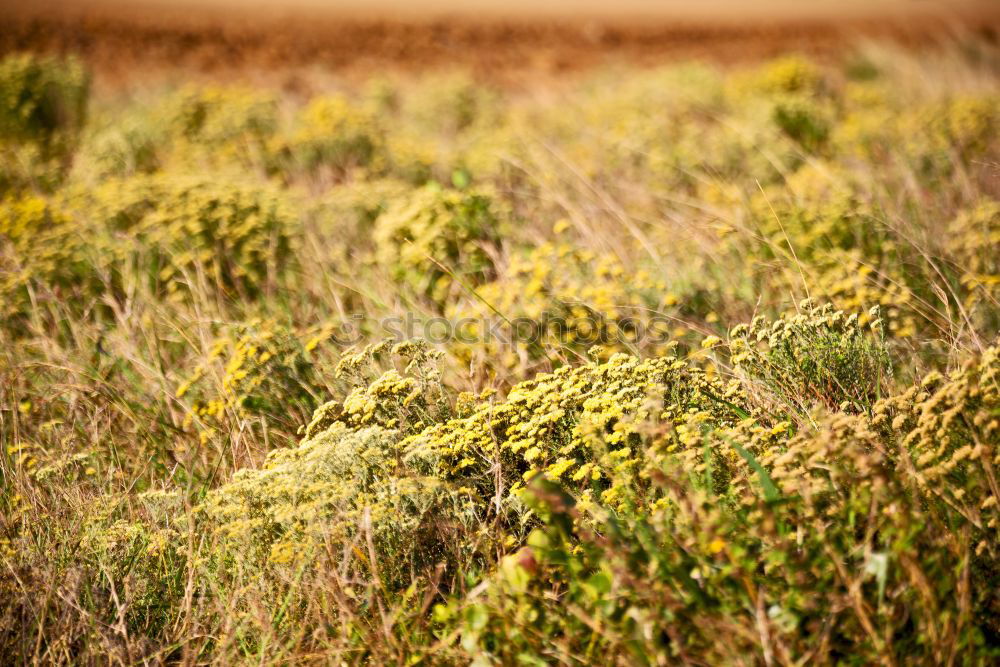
[(207, 456)]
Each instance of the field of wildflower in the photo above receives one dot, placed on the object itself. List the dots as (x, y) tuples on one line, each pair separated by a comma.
[(685, 364)]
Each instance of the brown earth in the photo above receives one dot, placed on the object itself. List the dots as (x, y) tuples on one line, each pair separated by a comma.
[(146, 41)]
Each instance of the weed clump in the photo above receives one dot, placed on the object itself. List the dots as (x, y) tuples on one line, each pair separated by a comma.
[(45, 255), (220, 440), (187, 231), (817, 356), (845, 524), (342, 487), (43, 105), (436, 237), (334, 137)]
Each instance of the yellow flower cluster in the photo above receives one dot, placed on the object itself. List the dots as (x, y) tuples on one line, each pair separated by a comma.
[(191, 231), (258, 370), (216, 124), (941, 435), (578, 425), (334, 136), (817, 355), (973, 240), (338, 487), (573, 300), (436, 237), (45, 255)]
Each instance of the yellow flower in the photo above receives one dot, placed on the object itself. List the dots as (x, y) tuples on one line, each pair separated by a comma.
[(710, 342)]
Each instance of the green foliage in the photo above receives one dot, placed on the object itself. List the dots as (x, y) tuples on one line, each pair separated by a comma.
[(973, 237), (43, 103), (222, 438), (44, 256), (804, 121), (183, 231), (338, 488), (43, 100), (132, 144), (582, 426), (815, 356), (255, 370), (333, 136), (435, 235), (788, 74), (866, 547), (220, 115), (219, 124)]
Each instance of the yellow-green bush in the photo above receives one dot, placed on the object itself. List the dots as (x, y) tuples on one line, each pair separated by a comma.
[(185, 231), (581, 426), (451, 103), (804, 120), (173, 232), (849, 531), (407, 401), (43, 104), (816, 356), (817, 208), (195, 467), (931, 136), (334, 136), (786, 74), (218, 124), (257, 369), (131, 144), (973, 239), (343, 218), (560, 299), (436, 235), (43, 100), (45, 256), (340, 488)]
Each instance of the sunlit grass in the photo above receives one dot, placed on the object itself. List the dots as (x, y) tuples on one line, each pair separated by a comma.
[(683, 364)]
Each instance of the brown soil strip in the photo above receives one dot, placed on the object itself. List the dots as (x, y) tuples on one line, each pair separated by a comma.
[(123, 44)]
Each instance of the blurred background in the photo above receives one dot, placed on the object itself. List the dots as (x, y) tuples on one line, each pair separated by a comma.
[(498, 38)]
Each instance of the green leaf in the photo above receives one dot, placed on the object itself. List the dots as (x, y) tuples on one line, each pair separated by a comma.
[(771, 492), (476, 617), (597, 585)]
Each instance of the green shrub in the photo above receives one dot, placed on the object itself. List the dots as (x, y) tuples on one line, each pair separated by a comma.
[(858, 538), (218, 116), (43, 101), (132, 144), (46, 257), (433, 235), (451, 103), (43, 104), (581, 426), (254, 370), (787, 74), (973, 238), (337, 488), (187, 231), (332, 138), (817, 356), (804, 121)]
